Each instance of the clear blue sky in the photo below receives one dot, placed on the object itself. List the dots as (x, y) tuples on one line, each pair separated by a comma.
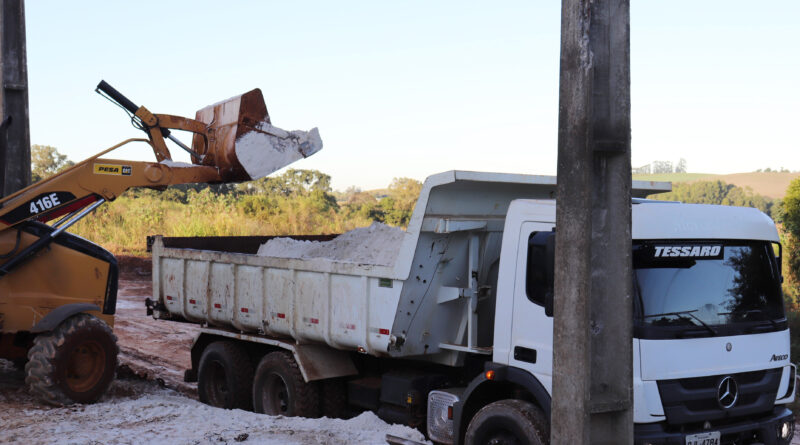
[(417, 87)]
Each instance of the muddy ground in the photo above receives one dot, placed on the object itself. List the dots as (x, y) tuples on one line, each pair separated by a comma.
[(155, 350)]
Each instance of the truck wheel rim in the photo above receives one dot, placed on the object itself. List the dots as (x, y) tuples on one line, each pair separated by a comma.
[(85, 367), (275, 397)]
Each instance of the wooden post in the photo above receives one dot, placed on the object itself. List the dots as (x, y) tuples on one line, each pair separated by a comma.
[(15, 154)]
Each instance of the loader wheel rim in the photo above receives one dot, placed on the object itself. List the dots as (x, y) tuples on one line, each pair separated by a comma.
[(275, 397), (218, 385), (86, 366)]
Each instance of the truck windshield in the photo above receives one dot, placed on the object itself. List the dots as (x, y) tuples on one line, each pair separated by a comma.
[(706, 288)]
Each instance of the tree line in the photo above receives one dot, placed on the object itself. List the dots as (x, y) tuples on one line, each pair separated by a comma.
[(719, 192)]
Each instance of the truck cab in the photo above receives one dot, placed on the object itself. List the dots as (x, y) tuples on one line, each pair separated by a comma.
[(711, 340)]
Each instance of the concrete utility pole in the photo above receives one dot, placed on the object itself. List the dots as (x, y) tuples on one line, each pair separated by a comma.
[(593, 356), (15, 154)]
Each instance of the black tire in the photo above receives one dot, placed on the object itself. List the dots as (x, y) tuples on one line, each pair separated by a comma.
[(224, 376), (508, 422), (279, 388), (333, 400), (75, 362)]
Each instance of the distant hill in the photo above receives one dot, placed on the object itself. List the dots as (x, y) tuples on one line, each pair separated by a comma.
[(770, 184)]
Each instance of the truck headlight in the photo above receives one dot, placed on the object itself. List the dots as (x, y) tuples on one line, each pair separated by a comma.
[(786, 431)]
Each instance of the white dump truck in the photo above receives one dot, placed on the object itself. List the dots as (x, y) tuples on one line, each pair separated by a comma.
[(448, 326)]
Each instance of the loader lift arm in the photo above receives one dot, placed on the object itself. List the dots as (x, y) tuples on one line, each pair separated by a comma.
[(97, 179)]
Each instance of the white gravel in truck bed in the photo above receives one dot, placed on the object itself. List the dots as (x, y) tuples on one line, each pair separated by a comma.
[(377, 245)]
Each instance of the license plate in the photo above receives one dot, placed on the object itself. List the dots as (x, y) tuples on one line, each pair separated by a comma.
[(711, 438)]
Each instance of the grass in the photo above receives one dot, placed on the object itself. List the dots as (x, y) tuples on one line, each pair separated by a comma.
[(123, 225)]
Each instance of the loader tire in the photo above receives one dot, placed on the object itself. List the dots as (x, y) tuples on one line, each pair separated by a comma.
[(334, 398), (225, 376), (508, 422), (75, 362), (279, 388)]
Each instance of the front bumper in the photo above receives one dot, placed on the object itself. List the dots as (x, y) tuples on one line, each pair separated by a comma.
[(763, 430)]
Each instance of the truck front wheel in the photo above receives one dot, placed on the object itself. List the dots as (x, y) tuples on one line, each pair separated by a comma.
[(224, 376), (75, 362), (279, 388), (508, 422)]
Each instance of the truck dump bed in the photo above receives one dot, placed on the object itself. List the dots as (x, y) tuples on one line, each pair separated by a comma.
[(415, 305)]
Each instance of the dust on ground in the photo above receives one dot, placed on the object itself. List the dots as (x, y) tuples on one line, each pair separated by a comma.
[(150, 403)]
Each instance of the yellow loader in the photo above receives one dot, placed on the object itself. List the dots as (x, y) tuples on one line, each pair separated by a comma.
[(58, 291)]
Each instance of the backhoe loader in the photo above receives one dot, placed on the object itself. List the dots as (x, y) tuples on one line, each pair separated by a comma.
[(58, 291)]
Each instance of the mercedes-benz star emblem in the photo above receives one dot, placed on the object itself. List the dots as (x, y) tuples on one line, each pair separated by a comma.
[(727, 392)]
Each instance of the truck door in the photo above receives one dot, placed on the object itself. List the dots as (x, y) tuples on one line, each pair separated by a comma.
[(532, 328)]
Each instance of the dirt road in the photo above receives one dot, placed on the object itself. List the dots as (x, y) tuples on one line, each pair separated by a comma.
[(150, 403), (151, 349)]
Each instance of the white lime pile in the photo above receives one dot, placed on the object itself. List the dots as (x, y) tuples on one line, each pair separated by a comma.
[(377, 245), (159, 416)]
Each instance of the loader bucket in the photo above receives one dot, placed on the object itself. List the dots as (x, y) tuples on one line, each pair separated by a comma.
[(242, 142)]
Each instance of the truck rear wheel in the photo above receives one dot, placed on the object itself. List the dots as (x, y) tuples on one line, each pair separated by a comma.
[(279, 388), (224, 376), (73, 363), (508, 422)]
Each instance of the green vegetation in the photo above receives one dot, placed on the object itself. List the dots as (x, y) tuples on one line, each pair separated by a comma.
[(769, 170), (46, 161), (718, 192), (791, 240), (296, 202)]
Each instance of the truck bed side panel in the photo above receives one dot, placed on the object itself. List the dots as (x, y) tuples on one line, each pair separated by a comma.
[(196, 279), (348, 312), (220, 290), (249, 309), (312, 298), (279, 294)]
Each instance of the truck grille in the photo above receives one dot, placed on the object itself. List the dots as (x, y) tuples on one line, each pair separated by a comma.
[(696, 399)]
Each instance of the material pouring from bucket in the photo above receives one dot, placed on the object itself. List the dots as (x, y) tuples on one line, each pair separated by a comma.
[(244, 144)]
